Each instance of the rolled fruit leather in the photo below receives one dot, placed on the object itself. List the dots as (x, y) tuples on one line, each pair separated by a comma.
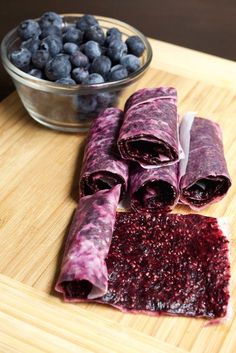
[(153, 189), (204, 177), (103, 167), (84, 272), (149, 133)]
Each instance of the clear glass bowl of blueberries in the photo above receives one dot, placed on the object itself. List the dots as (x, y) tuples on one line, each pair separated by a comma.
[(68, 68)]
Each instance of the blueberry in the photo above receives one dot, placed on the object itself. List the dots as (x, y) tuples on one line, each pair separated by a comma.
[(31, 44), (101, 65), (131, 62), (66, 81), (36, 73), (85, 22), (86, 103), (95, 33), (92, 49), (52, 44), (116, 50), (70, 48), (118, 72), (49, 19), (79, 59), (28, 29), (106, 99), (40, 58), (73, 35), (113, 33), (58, 67), (135, 45), (93, 79), (50, 30), (79, 74), (21, 58)]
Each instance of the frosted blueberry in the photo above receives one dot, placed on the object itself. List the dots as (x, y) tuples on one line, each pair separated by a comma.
[(101, 65), (116, 50), (70, 48), (85, 22), (50, 19), (20, 58), (36, 73), (50, 30), (40, 58), (66, 81), (32, 44), (79, 59), (131, 62), (28, 29), (58, 67), (96, 34), (135, 45), (92, 49), (52, 44), (72, 35), (93, 79), (79, 74), (113, 33), (118, 72), (86, 103)]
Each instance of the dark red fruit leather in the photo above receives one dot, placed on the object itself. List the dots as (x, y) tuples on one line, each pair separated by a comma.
[(102, 166), (88, 244), (153, 189), (167, 264), (149, 133), (206, 179)]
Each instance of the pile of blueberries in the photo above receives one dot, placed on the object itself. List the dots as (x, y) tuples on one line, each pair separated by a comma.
[(80, 53)]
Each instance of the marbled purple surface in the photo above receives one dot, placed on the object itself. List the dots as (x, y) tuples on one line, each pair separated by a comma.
[(153, 189), (149, 133), (88, 244), (102, 165), (206, 179)]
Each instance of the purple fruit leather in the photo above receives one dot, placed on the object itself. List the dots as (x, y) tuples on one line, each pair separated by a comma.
[(83, 266), (149, 133), (102, 166), (204, 177), (168, 264), (153, 189)]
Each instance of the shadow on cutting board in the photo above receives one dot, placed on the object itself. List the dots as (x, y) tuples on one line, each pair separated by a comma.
[(60, 257), (74, 194), (74, 191)]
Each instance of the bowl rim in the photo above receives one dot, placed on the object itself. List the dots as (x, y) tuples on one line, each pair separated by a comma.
[(47, 85)]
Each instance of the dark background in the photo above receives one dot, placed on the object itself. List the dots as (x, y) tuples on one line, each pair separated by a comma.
[(205, 25)]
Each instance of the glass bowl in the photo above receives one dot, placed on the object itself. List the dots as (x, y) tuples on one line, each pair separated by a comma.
[(71, 107)]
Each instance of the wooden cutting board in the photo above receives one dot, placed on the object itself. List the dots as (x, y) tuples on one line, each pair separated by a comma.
[(38, 188)]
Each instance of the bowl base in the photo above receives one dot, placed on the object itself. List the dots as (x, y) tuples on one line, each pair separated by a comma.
[(56, 126)]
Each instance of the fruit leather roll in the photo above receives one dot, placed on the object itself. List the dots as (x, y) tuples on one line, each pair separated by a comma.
[(204, 177), (83, 272), (149, 133), (102, 166), (153, 189)]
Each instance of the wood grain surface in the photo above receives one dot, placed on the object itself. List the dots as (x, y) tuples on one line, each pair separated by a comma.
[(38, 191)]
